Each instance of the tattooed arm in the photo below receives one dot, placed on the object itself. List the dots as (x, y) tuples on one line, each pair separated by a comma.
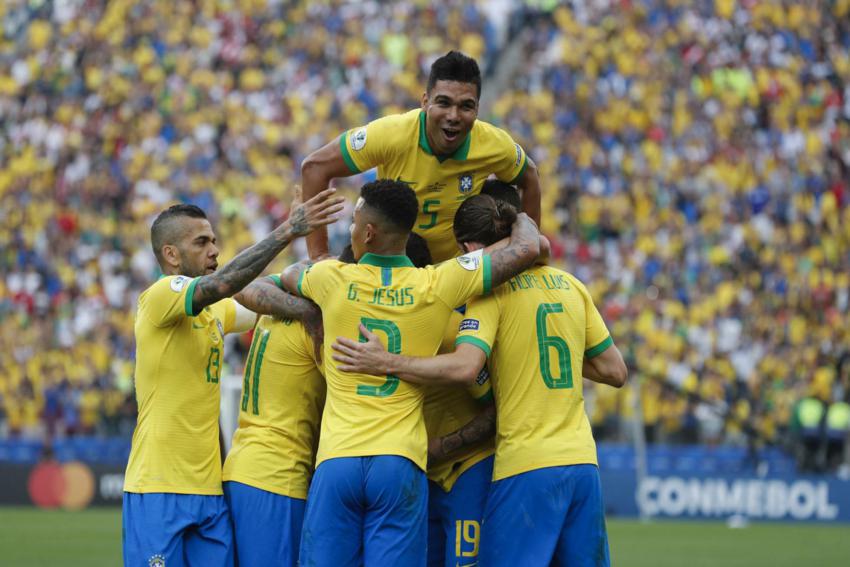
[(263, 296), (520, 253), (245, 267), (480, 428)]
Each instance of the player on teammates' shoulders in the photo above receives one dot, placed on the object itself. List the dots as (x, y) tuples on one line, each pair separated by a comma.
[(441, 150)]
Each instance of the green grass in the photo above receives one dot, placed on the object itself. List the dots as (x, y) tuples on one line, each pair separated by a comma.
[(31, 537)]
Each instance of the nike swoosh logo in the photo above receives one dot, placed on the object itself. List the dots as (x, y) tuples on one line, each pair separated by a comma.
[(467, 564), (400, 180), (196, 326)]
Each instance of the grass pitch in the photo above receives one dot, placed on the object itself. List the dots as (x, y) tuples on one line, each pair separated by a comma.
[(31, 537)]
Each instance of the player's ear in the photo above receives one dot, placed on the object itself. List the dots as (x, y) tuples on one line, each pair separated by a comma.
[(370, 233), (171, 255), (425, 100)]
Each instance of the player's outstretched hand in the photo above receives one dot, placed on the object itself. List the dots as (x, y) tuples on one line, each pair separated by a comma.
[(319, 211), (363, 358)]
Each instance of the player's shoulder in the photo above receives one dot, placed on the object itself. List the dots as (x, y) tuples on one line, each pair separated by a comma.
[(165, 285), (491, 133), (397, 122)]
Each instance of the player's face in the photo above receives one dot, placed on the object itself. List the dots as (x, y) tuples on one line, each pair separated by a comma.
[(450, 108), (198, 250)]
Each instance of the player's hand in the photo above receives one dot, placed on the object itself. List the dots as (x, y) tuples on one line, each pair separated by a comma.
[(369, 357), (319, 211)]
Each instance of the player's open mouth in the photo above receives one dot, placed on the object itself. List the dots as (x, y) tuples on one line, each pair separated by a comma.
[(451, 135), (212, 267)]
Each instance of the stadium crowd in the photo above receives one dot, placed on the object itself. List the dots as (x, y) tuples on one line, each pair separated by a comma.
[(694, 160)]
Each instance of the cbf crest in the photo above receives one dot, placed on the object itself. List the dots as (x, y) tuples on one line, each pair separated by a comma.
[(465, 183), (156, 561)]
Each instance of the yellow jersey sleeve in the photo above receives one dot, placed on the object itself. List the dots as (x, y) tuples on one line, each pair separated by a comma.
[(372, 145), (513, 159), (169, 300), (462, 278), (480, 324), (225, 311), (597, 337), (318, 280)]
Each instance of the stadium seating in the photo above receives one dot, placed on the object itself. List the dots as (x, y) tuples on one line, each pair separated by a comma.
[(694, 163)]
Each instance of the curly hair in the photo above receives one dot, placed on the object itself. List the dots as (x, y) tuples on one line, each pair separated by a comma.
[(394, 201)]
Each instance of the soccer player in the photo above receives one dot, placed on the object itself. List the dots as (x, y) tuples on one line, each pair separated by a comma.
[(267, 471), (173, 511), (461, 424), (540, 332), (441, 150), (368, 499)]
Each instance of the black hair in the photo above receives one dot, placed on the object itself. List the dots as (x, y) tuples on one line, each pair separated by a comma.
[(481, 218), (394, 201), (502, 191), (416, 249), (455, 66), (165, 231)]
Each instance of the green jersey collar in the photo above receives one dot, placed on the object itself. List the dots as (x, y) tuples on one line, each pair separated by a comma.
[(459, 154), (386, 261)]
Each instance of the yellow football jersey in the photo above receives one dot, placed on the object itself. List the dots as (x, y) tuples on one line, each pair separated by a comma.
[(398, 147), (408, 308), (536, 330), (448, 408), (178, 365), (282, 396)]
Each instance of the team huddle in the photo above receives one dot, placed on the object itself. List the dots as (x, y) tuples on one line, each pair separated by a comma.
[(416, 400)]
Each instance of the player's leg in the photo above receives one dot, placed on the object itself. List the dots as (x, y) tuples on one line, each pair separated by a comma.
[(395, 527), (333, 522), (465, 509), (437, 511), (584, 539), (266, 526), (523, 518), (209, 543), (152, 529)]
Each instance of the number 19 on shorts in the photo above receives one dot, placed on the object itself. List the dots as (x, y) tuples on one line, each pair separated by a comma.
[(467, 535)]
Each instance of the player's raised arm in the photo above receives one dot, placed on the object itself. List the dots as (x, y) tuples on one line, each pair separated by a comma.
[(521, 252), (529, 182), (245, 267), (317, 171)]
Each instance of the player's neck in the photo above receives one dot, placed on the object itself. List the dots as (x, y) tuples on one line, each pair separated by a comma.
[(391, 248)]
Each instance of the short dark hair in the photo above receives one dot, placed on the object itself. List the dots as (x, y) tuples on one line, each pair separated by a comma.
[(165, 231), (416, 249), (394, 201), (481, 218), (455, 66), (502, 191)]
